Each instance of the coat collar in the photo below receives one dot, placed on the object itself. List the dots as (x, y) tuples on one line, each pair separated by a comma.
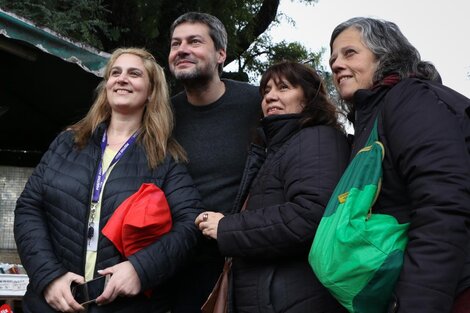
[(279, 128), (367, 104)]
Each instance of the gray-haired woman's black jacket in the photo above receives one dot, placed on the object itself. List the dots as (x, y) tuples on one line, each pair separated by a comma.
[(52, 213), (270, 240), (425, 128)]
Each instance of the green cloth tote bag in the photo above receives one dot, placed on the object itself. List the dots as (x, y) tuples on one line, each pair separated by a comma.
[(358, 254)]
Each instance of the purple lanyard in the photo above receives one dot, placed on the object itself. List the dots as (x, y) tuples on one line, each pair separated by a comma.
[(100, 176)]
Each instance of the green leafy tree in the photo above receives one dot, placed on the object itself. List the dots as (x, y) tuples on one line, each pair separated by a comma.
[(263, 53), (149, 22), (82, 20), (108, 24)]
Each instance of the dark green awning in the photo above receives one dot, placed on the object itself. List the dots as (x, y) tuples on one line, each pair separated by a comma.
[(88, 58), (50, 84)]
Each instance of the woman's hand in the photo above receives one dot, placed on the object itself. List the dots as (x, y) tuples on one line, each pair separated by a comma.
[(124, 281), (59, 295), (208, 222)]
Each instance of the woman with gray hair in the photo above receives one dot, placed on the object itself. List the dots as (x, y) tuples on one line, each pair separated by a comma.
[(425, 129)]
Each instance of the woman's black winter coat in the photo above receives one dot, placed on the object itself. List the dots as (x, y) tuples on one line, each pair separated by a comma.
[(52, 213), (425, 129), (270, 240)]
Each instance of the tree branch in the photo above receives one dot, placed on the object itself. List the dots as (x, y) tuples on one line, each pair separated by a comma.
[(258, 24)]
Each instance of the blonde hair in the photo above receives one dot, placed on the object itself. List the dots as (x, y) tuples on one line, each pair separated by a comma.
[(157, 119)]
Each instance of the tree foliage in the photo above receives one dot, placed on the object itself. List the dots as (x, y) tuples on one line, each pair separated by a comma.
[(263, 53), (108, 24), (78, 19)]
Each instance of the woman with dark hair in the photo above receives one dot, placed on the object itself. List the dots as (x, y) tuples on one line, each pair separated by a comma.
[(425, 129), (304, 156)]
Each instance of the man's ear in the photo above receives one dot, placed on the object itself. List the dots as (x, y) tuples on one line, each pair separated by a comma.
[(222, 55)]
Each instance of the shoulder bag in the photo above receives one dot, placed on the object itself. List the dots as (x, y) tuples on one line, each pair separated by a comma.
[(358, 254), (218, 298)]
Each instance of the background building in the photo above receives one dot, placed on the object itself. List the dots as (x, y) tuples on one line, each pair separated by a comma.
[(47, 82)]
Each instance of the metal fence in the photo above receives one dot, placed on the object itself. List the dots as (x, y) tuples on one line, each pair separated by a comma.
[(12, 182)]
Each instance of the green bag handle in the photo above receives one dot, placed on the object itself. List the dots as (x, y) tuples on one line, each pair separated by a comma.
[(371, 165)]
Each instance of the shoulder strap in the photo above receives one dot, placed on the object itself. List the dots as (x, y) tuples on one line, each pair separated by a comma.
[(373, 137)]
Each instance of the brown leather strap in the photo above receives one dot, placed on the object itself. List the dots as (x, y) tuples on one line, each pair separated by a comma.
[(244, 203)]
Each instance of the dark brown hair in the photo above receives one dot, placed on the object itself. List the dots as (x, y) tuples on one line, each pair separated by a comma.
[(319, 109)]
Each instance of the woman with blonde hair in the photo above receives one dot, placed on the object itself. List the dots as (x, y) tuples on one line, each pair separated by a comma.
[(157, 119), (122, 144)]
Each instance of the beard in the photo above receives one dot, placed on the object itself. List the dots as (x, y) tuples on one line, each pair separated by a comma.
[(195, 79), (195, 76)]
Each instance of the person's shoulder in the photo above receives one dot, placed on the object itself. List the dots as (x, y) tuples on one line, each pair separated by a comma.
[(415, 87), (323, 130), (456, 101), (405, 96), (411, 92), (311, 140), (406, 87), (322, 135), (240, 85), (180, 97), (64, 140), (243, 92), (66, 135), (179, 103)]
